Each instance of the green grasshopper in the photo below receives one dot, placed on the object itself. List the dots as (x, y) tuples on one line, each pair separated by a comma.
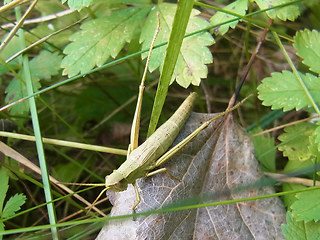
[(141, 161)]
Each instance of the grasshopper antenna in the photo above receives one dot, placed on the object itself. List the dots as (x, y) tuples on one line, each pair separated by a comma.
[(96, 200), (136, 120), (88, 184), (82, 184)]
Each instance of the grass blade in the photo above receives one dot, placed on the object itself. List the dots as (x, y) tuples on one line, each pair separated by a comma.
[(180, 23), (36, 127)]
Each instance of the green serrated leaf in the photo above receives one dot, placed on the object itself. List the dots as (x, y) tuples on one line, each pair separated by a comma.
[(307, 44), (13, 205), (289, 199), (17, 90), (290, 12), (293, 166), (239, 7), (45, 65), (265, 150), (307, 206), (101, 38), (295, 141), (282, 90), (11, 48), (190, 66), (4, 179), (299, 230), (78, 4)]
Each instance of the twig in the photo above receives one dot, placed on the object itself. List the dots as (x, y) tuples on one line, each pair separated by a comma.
[(41, 19), (17, 26), (296, 180), (283, 126), (12, 4), (247, 68)]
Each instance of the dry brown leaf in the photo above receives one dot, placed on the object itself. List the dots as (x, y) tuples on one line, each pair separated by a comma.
[(219, 159)]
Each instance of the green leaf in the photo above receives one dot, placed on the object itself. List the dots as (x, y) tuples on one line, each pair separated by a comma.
[(293, 166), (289, 199), (194, 53), (265, 150), (307, 206), (13, 205), (4, 179), (290, 12), (314, 145), (295, 140), (307, 44), (45, 65), (239, 7), (78, 4), (282, 90), (12, 47), (16, 90), (299, 230), (101, 38)]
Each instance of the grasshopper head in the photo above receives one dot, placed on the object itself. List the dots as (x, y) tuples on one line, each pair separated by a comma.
[(115, 182)]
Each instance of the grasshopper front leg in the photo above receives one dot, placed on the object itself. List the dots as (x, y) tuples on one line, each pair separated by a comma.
[(138, 198)]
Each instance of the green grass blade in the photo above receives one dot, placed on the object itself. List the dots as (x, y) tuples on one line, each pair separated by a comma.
[(180, 23), (36, 127), (66, 143), (163, 210)]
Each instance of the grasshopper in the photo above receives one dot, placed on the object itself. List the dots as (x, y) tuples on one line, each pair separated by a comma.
[(141, 161)]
